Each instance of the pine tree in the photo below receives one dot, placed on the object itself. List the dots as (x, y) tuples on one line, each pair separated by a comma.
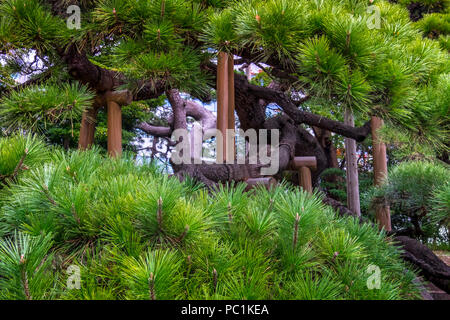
[(318, 59), (311, 49)]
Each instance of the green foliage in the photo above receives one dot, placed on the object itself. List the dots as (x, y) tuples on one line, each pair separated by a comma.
[(25, 263), (42, 105), (156, 275), (219, 32), (137, 234), (273, 25), (416, 192), (150, 41), (29, 23), (13, 148), (441, 206), (333, 183), (313, 287), (18, 153), (436, 24), (431, 107)]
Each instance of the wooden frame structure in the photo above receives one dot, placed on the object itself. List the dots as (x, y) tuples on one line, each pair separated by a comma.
[(114, 101), (304, 165)]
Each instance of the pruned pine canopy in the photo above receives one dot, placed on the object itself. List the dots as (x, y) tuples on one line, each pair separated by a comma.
[(338, 53)]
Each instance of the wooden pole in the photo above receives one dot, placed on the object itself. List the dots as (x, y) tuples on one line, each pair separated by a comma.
[(352, 168), (304, 165), (114, 101), (222, 103), (84, 129), (383, 212), (87, 129), (230, 149), (114, 129), (305, 179)]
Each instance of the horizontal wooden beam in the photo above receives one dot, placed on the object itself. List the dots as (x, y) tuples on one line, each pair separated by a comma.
[(121, 97), (299, 162)]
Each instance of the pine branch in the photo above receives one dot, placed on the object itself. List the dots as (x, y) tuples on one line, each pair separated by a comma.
[(151, 285), (183, 235), (46, 192), (215, 279), (230, 214), (159, 213), (295, 238), (24, 278), (19, 165)]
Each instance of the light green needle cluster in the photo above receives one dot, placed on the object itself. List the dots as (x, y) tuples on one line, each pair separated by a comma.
[(135, 233)]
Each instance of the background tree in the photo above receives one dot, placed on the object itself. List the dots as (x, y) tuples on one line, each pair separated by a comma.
[(416, 191)]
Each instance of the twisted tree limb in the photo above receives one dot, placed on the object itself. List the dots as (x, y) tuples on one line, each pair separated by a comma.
[(430, 266)]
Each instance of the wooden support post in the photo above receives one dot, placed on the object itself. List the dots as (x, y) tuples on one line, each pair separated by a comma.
[(87, 129), (114, 129), (114, 101), (304, 165), (225, 105), (231, 146), (383, 212), (222, 103), (305, 179), (352, 168), (267, 182)]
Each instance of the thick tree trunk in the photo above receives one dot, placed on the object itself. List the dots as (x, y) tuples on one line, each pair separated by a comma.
[(383, 213), (352, 168), (324, 138), (211, 174)]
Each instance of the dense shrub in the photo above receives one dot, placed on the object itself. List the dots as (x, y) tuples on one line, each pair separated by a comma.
[(138, 234), (418, 193)]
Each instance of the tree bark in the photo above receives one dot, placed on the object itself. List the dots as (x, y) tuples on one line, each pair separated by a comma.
[(383, 213), (324, 138), (210, 174), (352, 168), (251, 116), (430, 266)]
